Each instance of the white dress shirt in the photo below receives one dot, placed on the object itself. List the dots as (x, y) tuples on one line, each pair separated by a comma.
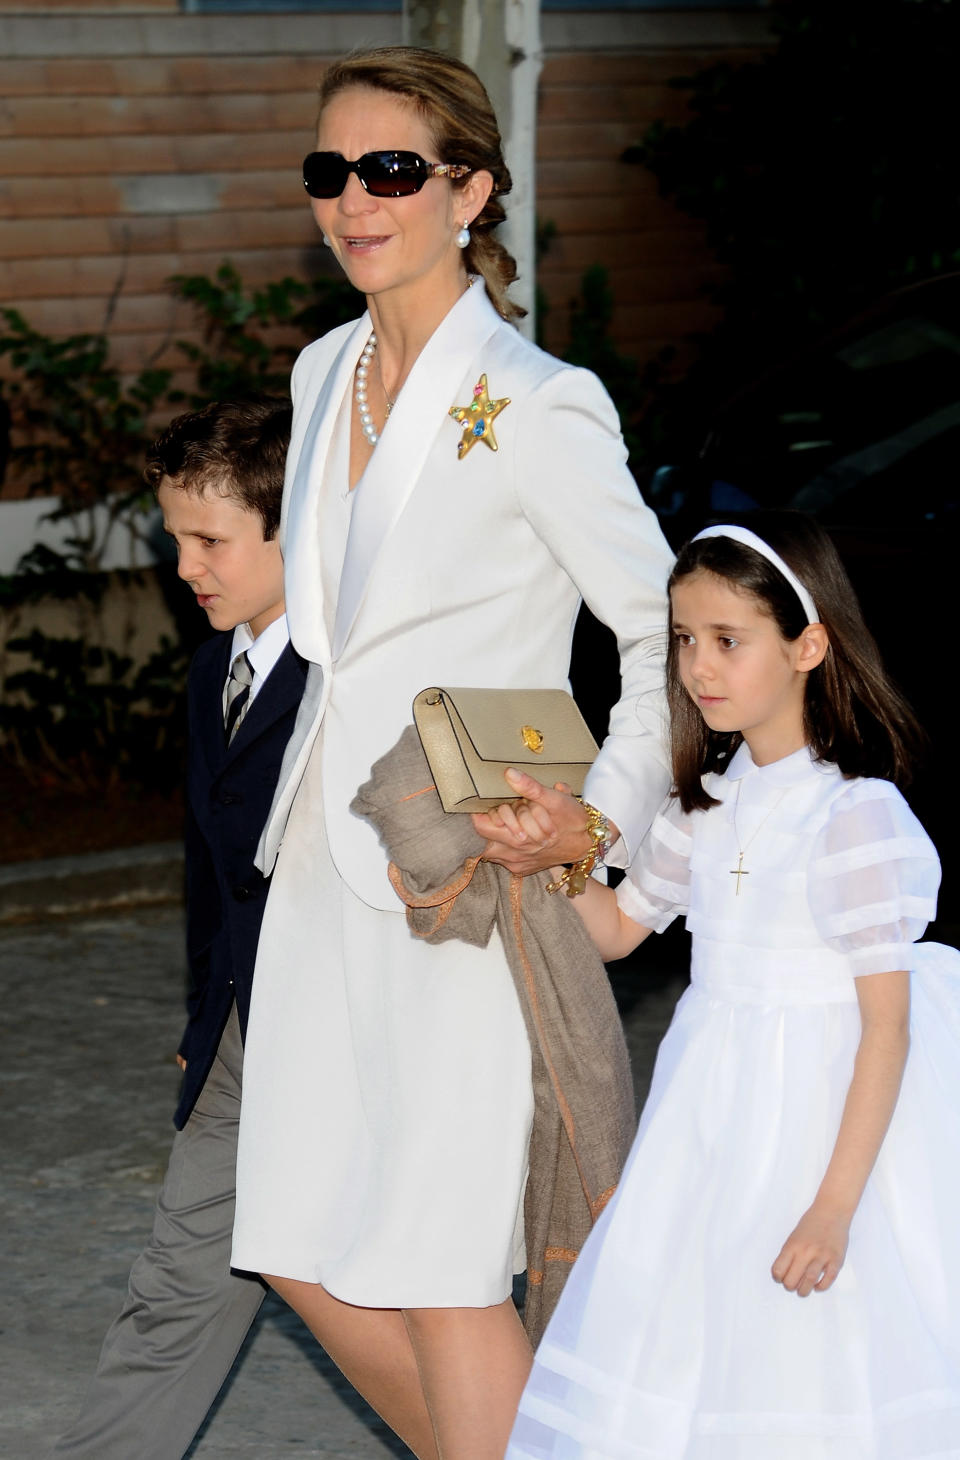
[(262, 652)]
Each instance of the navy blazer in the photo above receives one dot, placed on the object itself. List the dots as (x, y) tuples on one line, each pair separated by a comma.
[(229, 792)]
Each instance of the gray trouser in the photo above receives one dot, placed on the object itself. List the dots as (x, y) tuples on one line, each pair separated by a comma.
[(186, 1314)]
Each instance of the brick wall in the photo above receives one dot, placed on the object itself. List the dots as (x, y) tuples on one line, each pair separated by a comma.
[(593, 106), (138, 145)]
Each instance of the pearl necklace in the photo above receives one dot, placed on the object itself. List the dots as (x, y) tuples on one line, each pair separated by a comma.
[(367, 424), (363, 407)]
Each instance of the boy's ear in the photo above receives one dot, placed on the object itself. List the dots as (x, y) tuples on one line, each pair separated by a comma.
[(813, 645)]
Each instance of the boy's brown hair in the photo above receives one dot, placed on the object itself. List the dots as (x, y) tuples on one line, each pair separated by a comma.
[(235, 448)]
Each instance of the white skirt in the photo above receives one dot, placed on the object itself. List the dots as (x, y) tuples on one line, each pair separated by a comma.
[(671, 1340), (387, 1097)]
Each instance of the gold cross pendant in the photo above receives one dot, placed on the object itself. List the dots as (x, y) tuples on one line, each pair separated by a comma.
[(738, 871)]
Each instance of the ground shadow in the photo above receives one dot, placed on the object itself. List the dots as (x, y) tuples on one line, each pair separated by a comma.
[(284, 1321)]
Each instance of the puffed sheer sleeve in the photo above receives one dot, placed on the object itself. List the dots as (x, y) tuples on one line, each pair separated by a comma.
[(873, 880), (657, 885)]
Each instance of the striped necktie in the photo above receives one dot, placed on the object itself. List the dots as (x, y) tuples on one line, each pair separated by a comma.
[(237, 696)]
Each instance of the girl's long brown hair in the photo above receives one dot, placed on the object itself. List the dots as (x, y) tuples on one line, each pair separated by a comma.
[(854, 715), (457, 110)]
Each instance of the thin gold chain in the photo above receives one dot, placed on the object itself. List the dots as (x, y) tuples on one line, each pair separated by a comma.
[(390, 403), (739, 871)]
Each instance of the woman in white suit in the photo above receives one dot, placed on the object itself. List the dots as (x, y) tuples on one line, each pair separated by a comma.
[(387, 1089)]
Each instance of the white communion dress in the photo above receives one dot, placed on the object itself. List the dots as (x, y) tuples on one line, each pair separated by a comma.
[(671, 1340)]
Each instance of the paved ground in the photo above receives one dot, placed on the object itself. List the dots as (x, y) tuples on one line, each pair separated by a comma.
[(90, 1015)]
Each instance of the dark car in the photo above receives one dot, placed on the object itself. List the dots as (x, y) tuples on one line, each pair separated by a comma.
[(862, 430)]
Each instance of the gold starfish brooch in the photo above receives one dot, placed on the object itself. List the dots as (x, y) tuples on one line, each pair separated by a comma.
[(477, 418)]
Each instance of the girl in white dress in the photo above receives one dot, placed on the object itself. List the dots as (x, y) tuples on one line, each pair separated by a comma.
[(802, 1133)]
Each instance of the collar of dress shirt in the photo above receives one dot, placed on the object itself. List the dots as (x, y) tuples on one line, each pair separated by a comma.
[(262, 651), (789, 771)]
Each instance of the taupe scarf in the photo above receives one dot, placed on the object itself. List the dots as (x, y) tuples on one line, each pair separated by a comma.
[(583, 1095)]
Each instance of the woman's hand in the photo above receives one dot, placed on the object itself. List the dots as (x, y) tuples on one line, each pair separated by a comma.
[(813, 1254), (546, 828)]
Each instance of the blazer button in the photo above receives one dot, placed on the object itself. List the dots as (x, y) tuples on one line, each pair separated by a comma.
[(241, 893), (229, 798)]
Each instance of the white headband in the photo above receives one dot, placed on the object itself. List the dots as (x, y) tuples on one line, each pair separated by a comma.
[(750, 539)]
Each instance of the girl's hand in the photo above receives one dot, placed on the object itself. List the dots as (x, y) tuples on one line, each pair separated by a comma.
[(813, 1254)]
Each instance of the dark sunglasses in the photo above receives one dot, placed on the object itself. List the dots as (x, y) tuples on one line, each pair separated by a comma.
[(383, 174)]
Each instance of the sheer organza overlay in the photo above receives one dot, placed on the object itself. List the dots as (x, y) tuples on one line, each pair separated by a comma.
[(672, 1342)]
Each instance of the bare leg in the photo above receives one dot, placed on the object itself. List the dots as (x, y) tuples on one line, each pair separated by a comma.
[(446, 1380), (473, 1364), (372, 1348)]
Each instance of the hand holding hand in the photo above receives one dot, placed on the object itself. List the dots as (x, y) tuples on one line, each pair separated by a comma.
[(813, 1254), (545, 828)]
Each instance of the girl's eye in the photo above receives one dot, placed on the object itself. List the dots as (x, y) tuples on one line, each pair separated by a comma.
[(728, 643), (684, 640), (209, 541)]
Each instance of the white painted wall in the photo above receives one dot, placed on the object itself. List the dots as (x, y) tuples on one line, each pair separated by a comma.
[(23, 525), (500, 40)]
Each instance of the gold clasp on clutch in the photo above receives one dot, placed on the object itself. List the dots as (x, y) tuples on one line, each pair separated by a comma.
[(532, 739)]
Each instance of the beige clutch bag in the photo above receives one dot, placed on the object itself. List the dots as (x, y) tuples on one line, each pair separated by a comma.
[(471, 736)]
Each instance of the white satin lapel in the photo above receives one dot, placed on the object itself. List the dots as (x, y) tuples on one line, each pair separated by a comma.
[(302, 575), (397, 462), (295, 758)]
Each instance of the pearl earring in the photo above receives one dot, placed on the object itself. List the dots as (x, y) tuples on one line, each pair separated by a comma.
[(326, 241), (463, 237)]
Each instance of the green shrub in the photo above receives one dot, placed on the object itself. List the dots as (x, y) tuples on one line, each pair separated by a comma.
[(80, 710)]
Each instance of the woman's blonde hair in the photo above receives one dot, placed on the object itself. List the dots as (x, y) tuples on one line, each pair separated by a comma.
[(455, 107)]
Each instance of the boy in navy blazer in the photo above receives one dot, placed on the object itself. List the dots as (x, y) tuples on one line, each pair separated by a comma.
[(218, 476)]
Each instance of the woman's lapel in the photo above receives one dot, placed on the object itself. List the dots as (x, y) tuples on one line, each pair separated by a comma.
[(302, 535), (396, 465)]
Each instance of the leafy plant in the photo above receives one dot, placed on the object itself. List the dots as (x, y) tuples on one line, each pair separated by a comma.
[(81, 708), (78, 434), (92, 716), (236, 357)]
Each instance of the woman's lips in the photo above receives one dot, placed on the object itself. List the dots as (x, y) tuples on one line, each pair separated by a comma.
[(205, 599), (365, 245)]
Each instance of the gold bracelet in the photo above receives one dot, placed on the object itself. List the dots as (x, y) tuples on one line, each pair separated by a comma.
[(573, 879)]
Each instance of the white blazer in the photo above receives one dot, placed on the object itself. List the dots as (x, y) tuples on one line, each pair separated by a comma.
[(467, 572)]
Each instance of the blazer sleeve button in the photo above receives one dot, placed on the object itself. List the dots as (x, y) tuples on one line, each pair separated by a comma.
[(241, 893)]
